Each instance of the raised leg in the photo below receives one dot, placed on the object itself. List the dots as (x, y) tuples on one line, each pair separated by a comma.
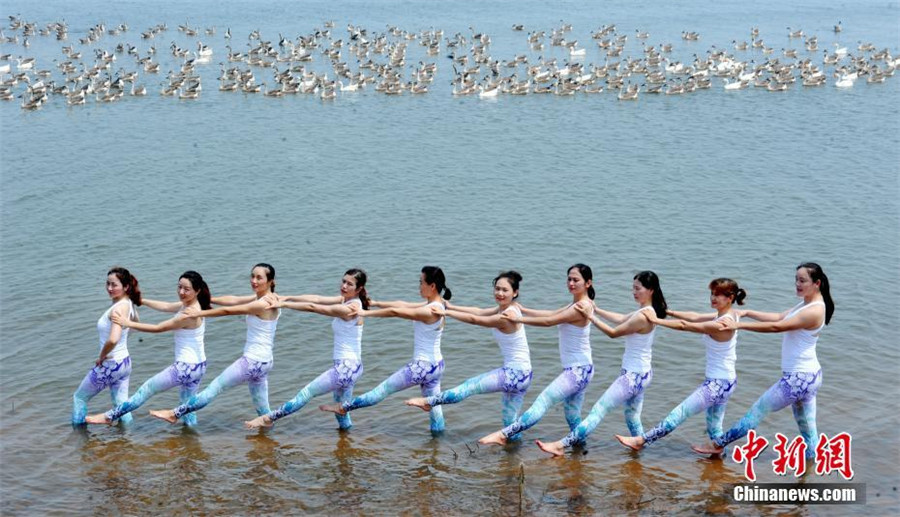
[(162, 381), (235, 374)]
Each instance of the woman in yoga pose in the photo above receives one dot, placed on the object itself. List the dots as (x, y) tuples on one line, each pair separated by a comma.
[(113, 367)]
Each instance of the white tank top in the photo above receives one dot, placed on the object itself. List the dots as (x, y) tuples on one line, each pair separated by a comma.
[(514, 347), (189, 344), (348, 336), (260, 344), (104, 325), (427, 339), (638, 348), (721, 355), (798, 347), (574, 345)]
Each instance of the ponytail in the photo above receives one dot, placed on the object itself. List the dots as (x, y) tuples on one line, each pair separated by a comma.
[(434, 275), (199, 285), (129, 283), (728, 287), (817, 275), (649, 280), (360, 276)]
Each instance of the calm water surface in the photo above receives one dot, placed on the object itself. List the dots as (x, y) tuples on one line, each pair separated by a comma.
[(743, 184)]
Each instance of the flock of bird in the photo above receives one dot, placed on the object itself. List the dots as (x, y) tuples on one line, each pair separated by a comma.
[(327, 61)]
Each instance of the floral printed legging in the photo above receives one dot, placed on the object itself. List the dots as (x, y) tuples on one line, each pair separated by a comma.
[(795, 389), (186, 375), (111, 374), (244, 370), (627, 390), (712, 396), (425, 374), (512, 382), (339, 379), (568, 388)]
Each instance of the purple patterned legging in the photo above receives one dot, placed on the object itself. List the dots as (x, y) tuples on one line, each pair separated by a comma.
[(627, 390), (568, 388), (712, 396), (254, 373), (339, 379), (111, 374), (795, 389), (425, 374), (186, 375)]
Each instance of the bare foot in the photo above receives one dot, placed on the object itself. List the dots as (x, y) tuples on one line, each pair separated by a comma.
[(260, 421), (634, 443), (99, 418), (708, 449), (333, 408), (495, 438), (419, 402), (554, 448), (164, 414)]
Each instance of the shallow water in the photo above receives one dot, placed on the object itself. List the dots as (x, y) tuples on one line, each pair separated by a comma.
[(744, 184)]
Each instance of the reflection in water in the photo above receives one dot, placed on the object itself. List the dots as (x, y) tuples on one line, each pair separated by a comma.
[(124, 474), (511, 489), (348, 486), (571, 484)]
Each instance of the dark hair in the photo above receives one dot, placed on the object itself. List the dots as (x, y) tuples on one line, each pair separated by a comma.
[(817, 275), (200, 286), (360, 276), (270, 273), (587, 274), (129, 283), (649, 280), (434, 275), (513, 277), (728, 287)]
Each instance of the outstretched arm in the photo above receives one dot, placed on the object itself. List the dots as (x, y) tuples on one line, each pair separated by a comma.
[(807, 319), (566, 315), (711, 328), (419, 313), (177, 322), (614, 317), (492, 321), (538, 313), (473, 310), (255, 307), (764, 316), (695, 317), (161, 306), (394, 304), (345, 312), (232, 300), (312, 298)]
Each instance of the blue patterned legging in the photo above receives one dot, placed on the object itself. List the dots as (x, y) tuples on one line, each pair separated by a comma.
[(568, 388), (425, 374), (712, 396), (796, 389), (512, 382), (186, 375), (244, 370), (627, 390), (339, 379), (111, 374)]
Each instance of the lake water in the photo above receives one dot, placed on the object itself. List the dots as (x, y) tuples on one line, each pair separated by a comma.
[(744, 184)]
